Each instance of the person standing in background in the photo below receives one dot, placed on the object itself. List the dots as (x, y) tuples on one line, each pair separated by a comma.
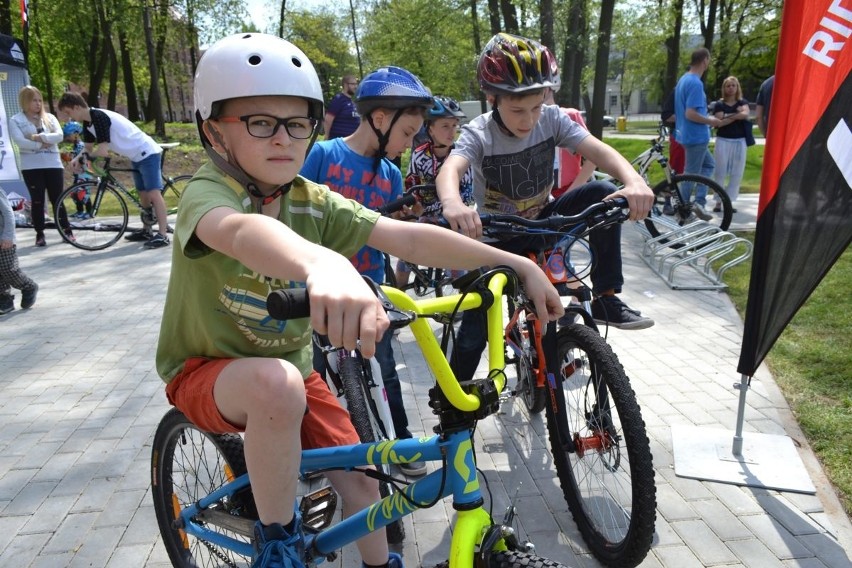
[(11, 274), (37, 134), (692, 128), (761, 109), (730, 150), (341, 117)]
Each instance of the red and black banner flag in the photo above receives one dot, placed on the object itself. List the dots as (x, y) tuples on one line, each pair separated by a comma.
[(805, 216)]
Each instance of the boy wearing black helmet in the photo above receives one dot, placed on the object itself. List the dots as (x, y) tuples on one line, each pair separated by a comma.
[(250, 225), (512, 150)]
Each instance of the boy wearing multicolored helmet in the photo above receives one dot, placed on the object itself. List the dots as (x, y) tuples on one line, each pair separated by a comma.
[(512, 150), (249, 225), (392, 102), (441, 126), (83, 202)]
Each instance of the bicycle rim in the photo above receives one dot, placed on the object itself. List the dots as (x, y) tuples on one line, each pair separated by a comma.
[(97, 219), (601, 449), (188, 464), (658, 223), (173, 190)]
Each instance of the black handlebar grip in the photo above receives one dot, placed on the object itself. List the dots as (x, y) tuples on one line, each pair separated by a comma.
[(393, 206), (287, 304)]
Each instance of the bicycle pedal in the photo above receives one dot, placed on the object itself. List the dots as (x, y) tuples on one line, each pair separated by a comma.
[(318, 509)]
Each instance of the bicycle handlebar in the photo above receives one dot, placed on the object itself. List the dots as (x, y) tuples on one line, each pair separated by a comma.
[(406, 200), (592, 215)]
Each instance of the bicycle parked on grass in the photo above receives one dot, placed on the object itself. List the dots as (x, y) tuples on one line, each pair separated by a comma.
[(202, 493), (97, 210), (670, 193)]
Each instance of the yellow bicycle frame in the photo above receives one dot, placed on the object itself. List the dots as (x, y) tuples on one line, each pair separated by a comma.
[(471, 525)]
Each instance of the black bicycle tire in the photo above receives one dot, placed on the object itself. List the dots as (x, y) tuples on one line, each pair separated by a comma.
[(80, 243), (533, 396), (605, 368), (355, 393), (175, 428), (518, 559), (664, 187)]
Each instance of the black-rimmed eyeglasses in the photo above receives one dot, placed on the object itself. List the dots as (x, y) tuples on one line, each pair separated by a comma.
[(266, 126)]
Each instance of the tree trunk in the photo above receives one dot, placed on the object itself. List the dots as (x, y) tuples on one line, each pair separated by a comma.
[(510, 16), (127, 74), (494, 16), (100, 55), (477, 49), (545, 22), (573, 56), (112, 86), (156, 107), (48, 81), (169, 111), (601, 68), (281, 18), (672, 43), (6, 17)]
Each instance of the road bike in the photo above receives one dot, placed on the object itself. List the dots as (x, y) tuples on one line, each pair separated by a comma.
[(672, 208), (202, 494), (97, 210)]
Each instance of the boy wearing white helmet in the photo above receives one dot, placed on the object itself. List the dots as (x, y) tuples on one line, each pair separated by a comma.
[(249, 225)]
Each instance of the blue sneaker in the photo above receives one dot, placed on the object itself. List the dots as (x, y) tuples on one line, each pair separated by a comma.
[(394, 561), (274, 547)]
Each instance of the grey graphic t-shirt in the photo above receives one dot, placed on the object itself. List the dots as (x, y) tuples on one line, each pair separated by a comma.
[(515, 175)]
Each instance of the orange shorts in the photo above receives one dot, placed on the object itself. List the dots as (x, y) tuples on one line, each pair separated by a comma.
[(325, 423)]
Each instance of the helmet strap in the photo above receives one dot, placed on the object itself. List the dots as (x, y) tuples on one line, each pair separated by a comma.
[(384, 138), (495, 114)]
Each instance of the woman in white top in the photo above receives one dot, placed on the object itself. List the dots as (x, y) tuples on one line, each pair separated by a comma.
[(37, 134)]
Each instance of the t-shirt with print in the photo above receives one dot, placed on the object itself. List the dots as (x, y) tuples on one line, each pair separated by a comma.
[(346, 117), (123, 136), (515, 175), (689, 93), (350, 174), (423, 168), (215, 306)]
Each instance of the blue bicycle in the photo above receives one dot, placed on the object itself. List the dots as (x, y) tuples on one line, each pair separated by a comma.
[(203, 497)]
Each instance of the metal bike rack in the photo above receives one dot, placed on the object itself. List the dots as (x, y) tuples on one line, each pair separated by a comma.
[(702, 245)]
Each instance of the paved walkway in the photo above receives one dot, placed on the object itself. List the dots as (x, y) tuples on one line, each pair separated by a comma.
[(80, 402)]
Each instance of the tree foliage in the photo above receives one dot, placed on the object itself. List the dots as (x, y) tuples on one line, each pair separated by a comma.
[(99, 46)]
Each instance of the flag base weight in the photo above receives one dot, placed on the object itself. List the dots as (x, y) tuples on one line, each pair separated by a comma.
[(764, 460)]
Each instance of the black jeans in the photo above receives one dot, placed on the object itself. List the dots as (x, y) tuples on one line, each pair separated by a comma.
[(41, 180), (606, 273)]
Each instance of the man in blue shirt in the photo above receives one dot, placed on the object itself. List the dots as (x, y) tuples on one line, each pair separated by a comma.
[(692, 127), (341, 116)]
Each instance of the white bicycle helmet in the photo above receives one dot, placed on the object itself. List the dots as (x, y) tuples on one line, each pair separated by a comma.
[(252, 65)]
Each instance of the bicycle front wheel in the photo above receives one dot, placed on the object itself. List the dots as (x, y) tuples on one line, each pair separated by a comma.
[(97, 217), (601, 449), (668, 212), (356, 392), (186, 465)]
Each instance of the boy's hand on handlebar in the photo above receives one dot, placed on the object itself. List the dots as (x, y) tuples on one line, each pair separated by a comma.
[(462, 218), (344, 308), (639, 198), (541, 293)]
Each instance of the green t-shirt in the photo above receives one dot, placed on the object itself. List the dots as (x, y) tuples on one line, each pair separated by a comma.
[(215, 306)]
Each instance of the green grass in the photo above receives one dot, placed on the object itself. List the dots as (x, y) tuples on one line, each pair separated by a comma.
[(630, 148), (811, 363)]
